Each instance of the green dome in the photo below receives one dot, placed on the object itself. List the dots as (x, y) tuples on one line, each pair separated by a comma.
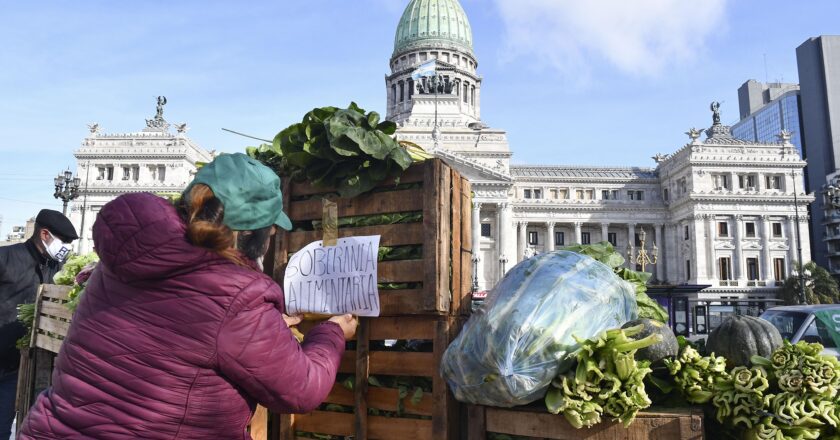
[(427, 22)]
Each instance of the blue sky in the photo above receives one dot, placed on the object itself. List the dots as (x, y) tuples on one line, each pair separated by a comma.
[(609, 82)]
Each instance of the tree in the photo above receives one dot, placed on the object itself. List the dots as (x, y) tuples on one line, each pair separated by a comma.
[(820, 286)]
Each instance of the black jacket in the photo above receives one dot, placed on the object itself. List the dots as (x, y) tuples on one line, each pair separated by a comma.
[(22, 269)]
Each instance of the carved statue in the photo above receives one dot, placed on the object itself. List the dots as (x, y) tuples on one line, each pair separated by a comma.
[(693, 133), (161, 101), (715, 108), (94, 127), (659, 158), (182, 127)]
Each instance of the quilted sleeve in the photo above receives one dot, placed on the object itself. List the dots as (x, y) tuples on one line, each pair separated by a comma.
[(257, 351)]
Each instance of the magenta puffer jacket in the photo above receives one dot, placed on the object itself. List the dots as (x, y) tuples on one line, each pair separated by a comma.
[(171, 341)]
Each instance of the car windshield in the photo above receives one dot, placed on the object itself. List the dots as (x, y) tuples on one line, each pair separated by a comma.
[(788, 322)]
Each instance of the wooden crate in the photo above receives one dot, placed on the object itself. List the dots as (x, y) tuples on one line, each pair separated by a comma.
[(434, 417), (683, 424), (52, 320), (445, 234)]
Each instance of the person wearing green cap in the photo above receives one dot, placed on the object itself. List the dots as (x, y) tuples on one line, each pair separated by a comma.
[(178, 334)]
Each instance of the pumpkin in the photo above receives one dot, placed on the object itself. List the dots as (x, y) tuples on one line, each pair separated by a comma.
[(739, 338), (666, 348)]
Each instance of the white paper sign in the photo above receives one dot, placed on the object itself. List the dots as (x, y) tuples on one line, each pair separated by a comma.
[(334, 280)]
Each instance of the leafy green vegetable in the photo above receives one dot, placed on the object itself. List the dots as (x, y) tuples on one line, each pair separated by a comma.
[(26, 315), (607, 380), (67, 275), (347, 149)]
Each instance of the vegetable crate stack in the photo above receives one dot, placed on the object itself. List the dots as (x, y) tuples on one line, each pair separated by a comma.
[(50, 324), (388, 385)]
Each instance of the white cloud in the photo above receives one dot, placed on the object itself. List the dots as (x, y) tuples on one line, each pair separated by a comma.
[(638, 37)]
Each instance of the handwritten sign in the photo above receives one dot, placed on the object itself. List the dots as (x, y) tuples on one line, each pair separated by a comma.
[(334, 280)]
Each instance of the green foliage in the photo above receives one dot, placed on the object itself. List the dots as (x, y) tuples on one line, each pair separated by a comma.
[(347, 149), (26, 315), (820, 286), (607, 380), (605, 253)]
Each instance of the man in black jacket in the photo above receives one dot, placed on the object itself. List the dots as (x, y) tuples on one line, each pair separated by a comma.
[(23, 267)]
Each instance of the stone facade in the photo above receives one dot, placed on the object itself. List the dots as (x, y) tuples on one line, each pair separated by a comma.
[(152, 160), (719, 210)]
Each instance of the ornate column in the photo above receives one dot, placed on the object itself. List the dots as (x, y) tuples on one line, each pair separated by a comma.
[(605, 231), (699, 258), (766, 232), (478, 272), (680, 272), (523, 240), (550, 239), (738, 264), (631, 245), (503, 211), (660, 262), (578, 226)]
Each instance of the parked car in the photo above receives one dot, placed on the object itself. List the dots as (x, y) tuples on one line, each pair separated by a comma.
[(799, 323)]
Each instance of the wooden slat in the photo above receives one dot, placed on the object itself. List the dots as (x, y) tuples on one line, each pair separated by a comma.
[(385, 399), (258, 427), (48, 308), (646, 426), (392, 235), (435, 225), (476, 423), (455, 244), (443, 294), (466, 248), (402, 328), (362, 372), (366, 204), (402, 271), (393, 363), (388, 428), (48, 343), (54, 291), (445, 413), (48, 324), (324, 422), (401, 302), (413, 174)]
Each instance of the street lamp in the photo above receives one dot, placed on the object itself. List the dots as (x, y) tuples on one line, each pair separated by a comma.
[(642, 257), (66, 188)]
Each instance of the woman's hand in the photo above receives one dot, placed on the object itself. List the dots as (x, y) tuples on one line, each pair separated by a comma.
[(348, 324), (292, 320)]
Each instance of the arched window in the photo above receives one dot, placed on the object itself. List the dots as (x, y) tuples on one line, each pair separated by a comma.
[(393, 94), (472, 96), (466, 92), (402, 91), (410, 89)]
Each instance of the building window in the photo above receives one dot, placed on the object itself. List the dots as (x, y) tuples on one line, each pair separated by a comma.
[(725, 268), (746, 181), (635, 195), (779, 269), (589, 194), (752, 269), (537, 194), (485, 229), (687, 269), (410, 89), (777, 230), (562, 194), (161, 173), (686, 233), (102, 172), (585, 238), (553, 193), (126, 173), (612, 238), (682, 185), (533, 238), (723, 229), (466, 92), (579, 194), (721, 181), (773, 182), (527, 193), (393, 94), (636, 240), (665, 195), (750, 229), (559, 238), (135, 173), (605, 194), (402, 91)]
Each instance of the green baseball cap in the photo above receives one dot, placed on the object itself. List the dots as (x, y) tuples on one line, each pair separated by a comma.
[(249, 191)]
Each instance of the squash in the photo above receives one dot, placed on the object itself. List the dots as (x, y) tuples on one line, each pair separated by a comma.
[(666, 348), (740, 337)]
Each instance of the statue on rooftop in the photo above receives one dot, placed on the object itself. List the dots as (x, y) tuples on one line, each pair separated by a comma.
[(161, 101), (715, 108)]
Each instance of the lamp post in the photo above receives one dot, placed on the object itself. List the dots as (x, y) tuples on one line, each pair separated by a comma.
[(66, 188), (642, 257), (802, 298)]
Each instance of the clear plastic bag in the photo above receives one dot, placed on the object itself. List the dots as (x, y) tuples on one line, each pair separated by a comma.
[(514, 346)]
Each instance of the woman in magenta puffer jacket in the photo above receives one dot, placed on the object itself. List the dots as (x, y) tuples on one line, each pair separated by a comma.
[(178, 334)]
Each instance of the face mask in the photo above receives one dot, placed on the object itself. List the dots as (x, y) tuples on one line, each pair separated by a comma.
[(57, 249)]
